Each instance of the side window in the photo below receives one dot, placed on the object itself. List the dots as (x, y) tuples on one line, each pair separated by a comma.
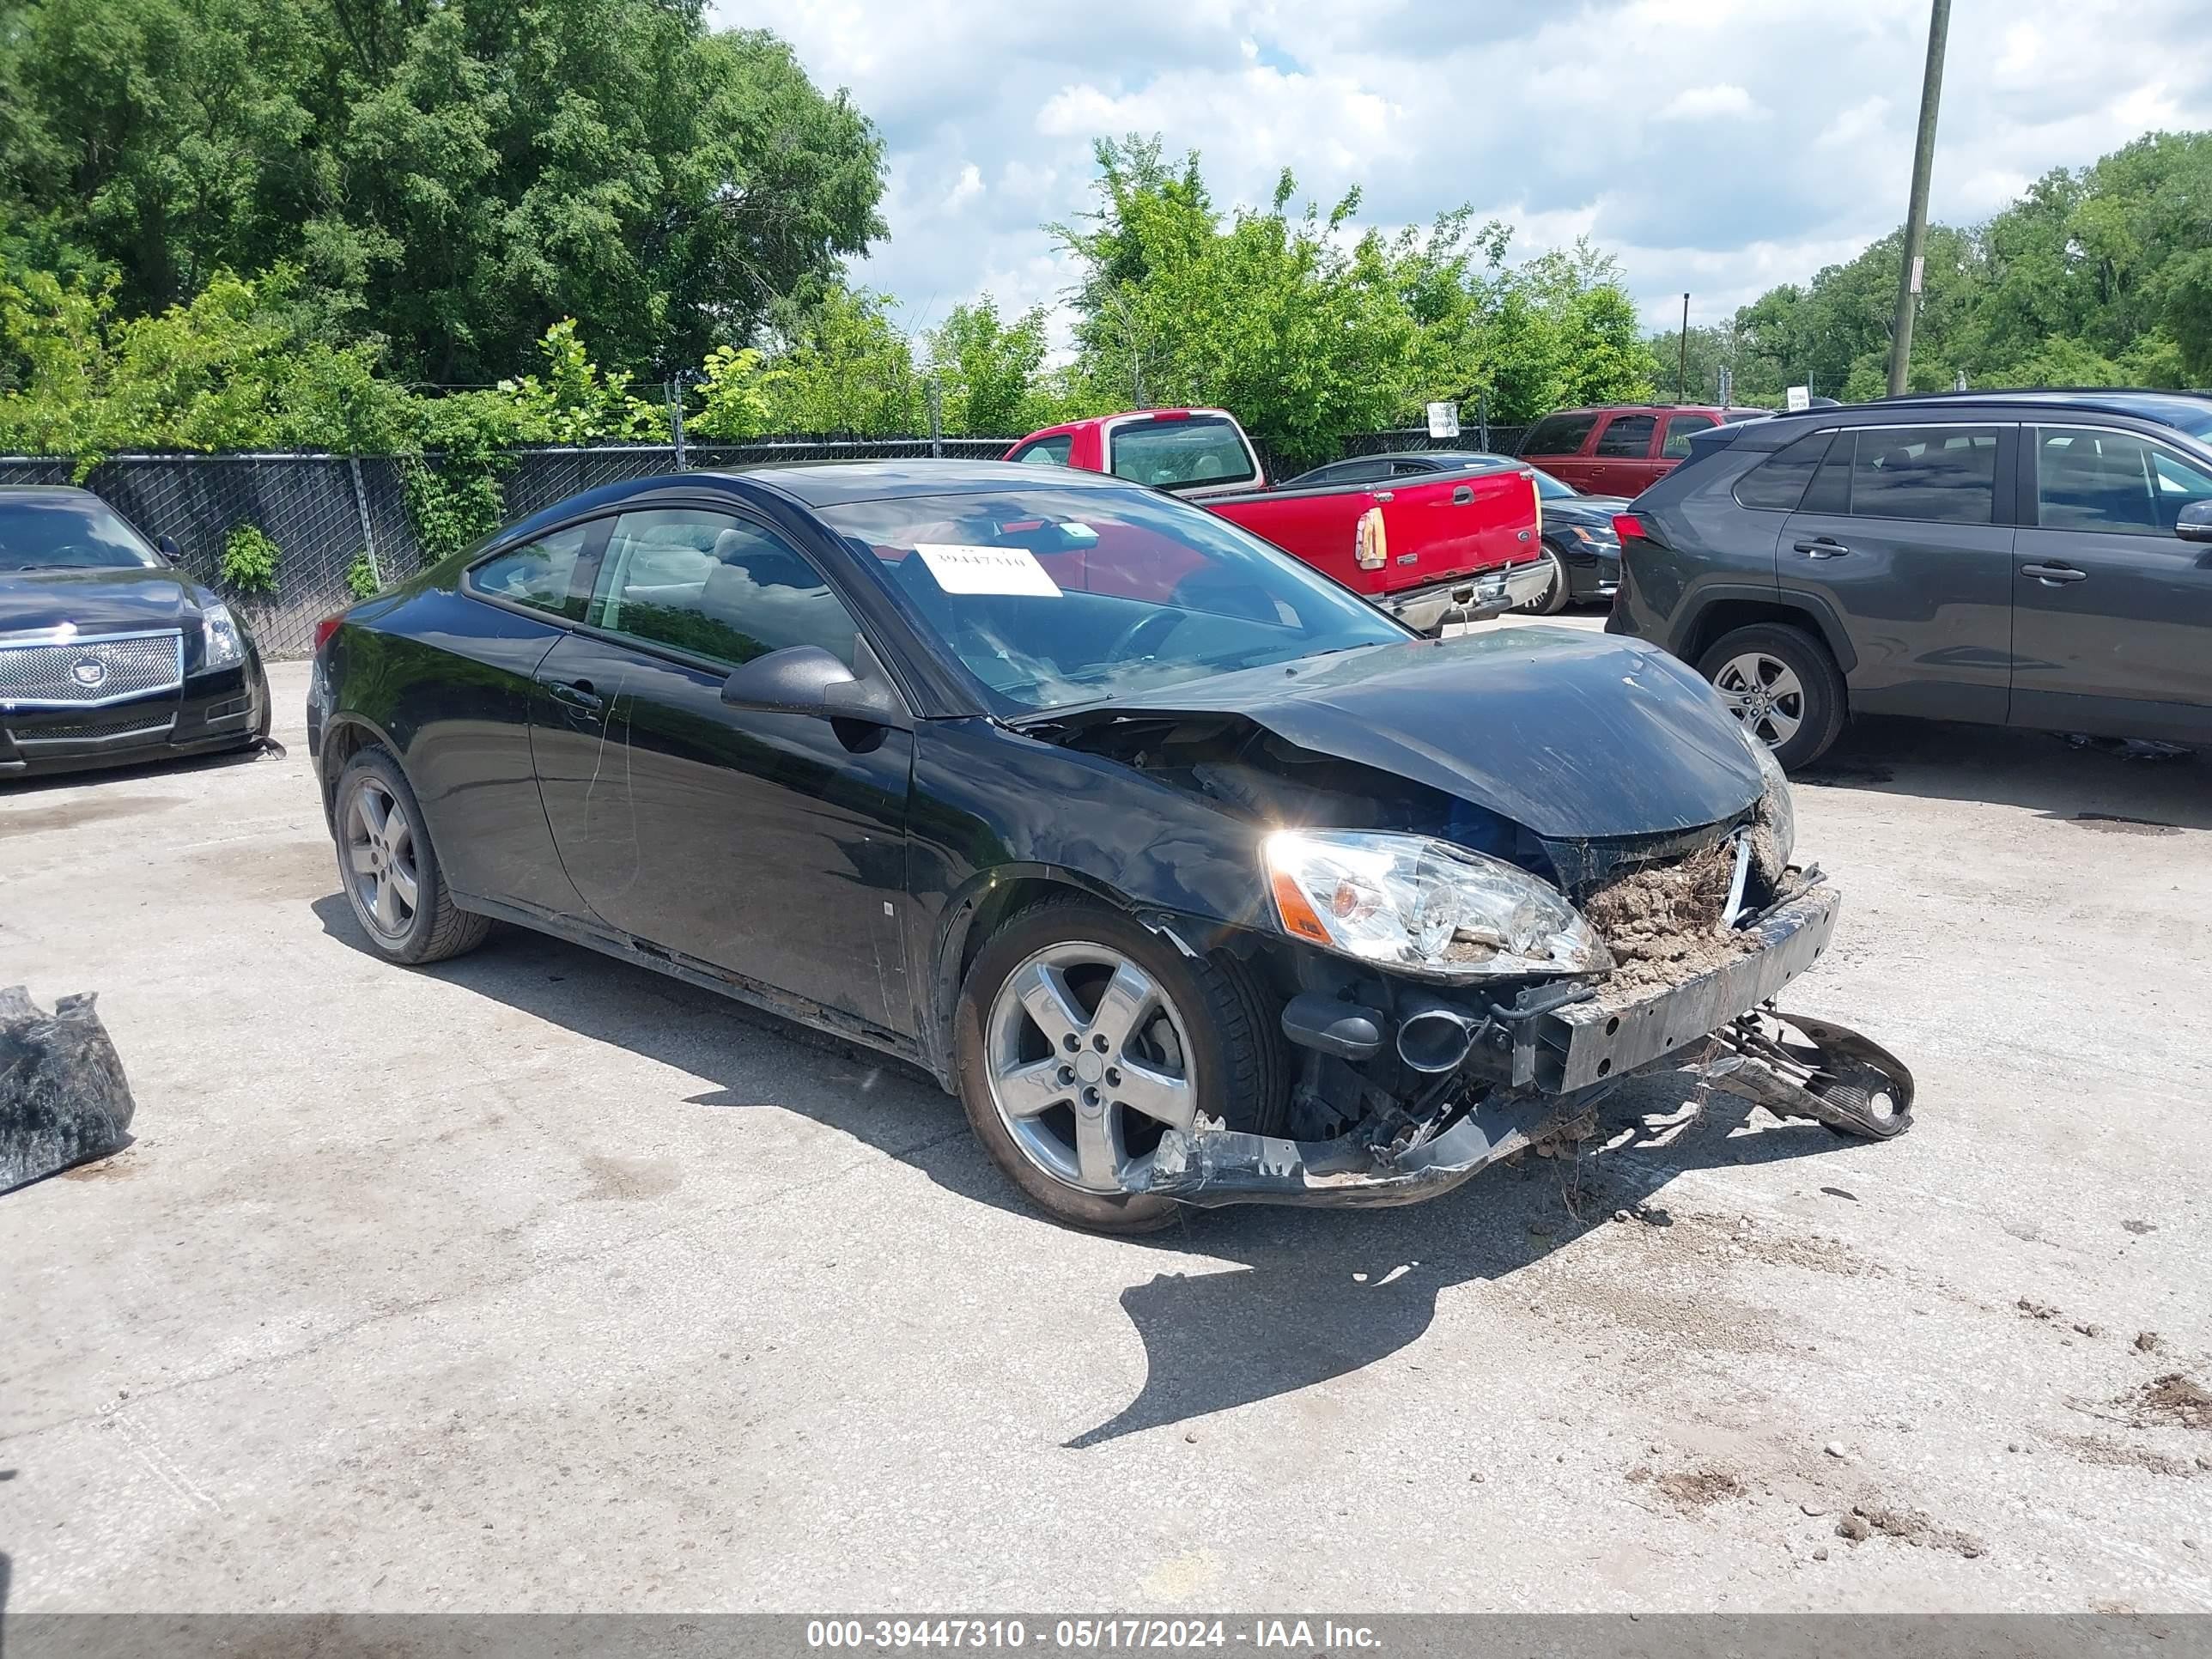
[(715, 586), (2089, 479), (538, 573), (1559, 434), (1627, 436), (1936, 474), (1779, 481), (1679, 429), (1046, 452), (1352, 472), (1412, 468)]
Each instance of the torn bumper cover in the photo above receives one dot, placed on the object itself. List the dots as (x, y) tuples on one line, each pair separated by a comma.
[(62, 1095), (1529, 1068)]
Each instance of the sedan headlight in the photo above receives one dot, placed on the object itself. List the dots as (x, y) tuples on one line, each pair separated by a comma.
[(1424, 906), (223, 644), (1778, 811)]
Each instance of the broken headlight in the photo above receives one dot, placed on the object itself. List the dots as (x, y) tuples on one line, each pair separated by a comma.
[(1424, 906), (1778, 813)]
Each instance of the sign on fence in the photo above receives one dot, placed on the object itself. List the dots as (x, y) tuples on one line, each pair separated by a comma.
[(1444, 420)]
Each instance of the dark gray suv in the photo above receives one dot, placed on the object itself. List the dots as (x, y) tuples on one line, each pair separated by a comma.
[(2040, 559)]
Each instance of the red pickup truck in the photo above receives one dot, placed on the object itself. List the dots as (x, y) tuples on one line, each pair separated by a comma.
[(1459, 546)]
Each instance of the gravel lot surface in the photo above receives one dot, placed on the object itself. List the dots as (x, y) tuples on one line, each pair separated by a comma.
[(536, 1281)]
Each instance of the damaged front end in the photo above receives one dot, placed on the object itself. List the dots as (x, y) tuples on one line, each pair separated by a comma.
[(1455, 1003)]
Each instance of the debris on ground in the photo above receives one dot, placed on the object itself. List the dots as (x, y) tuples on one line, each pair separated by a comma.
[(2104, 1453), (2139, 1228), (2036, 1310), (1908, 1526), (2136, 748), (2148, 1342), (1662, 923), (1690, 1491), (2173, 1401), (62, 1095)]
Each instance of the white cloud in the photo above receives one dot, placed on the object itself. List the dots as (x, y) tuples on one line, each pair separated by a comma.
[(1704, 103), (1719, 147)]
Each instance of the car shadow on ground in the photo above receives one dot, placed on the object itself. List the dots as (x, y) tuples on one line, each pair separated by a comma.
[(168, 766), (1314, 1294), (2093, 786)]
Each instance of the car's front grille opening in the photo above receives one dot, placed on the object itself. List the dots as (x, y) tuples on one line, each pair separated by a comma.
[(86, 673), (110, 728)]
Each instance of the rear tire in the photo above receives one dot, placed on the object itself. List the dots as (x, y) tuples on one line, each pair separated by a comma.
[(1207, 1043), (390, 870), (1782, 685), (1553, 600)]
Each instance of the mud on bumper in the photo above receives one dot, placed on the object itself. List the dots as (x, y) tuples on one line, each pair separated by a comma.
[(1528, 1070)]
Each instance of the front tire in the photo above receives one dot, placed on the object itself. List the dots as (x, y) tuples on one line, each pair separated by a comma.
[(1782, 686), (1083, 1036), (390, 870)]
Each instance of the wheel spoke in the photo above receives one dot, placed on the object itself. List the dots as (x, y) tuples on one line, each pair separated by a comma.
[(360, 859), (387, 902), (1098, 1148), (1029, 1090), (374, 810), (1164, 1099), (403, 883), (1128, 997), (397, 838), (1043, 992)]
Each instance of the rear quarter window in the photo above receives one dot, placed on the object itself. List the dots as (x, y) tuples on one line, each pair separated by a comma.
[(1560, 434), (1046, 452), (1778, 483)]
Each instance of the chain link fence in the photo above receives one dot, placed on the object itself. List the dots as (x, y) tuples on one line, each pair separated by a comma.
[(329, 513)]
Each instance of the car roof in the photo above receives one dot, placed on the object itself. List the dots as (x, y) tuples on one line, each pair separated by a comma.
[(43, 492), (1661, 409), (2187, 410), (833, 484)]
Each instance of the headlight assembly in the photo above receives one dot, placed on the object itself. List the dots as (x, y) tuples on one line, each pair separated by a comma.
[(1423, 907), (222, 644)]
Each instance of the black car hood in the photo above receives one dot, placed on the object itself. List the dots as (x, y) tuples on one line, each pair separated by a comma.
[(1585, 509), (102, 601), (1570, 733)]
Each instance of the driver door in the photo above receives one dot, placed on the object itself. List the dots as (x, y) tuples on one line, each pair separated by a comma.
[(771, 845)]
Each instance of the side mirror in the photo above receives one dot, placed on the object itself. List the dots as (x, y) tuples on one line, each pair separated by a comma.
[(167, 548), (805, 679), (2194, 523)]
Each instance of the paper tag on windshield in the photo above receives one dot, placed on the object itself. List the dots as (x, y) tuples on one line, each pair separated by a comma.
[(963, 570)]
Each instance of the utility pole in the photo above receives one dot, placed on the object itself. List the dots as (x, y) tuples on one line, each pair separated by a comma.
[(1916, 211), (1682, 357)]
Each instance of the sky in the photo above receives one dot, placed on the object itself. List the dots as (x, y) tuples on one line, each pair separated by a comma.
[(1716, 146)]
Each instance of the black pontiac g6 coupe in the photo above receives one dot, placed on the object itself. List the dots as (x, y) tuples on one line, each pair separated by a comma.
[(1197, 877)]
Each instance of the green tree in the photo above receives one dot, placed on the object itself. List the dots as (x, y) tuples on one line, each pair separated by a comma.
[(453, 177), (988, 369), (841, 365)]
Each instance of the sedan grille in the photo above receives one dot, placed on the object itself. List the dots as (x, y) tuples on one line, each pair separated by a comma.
[(87, 673)]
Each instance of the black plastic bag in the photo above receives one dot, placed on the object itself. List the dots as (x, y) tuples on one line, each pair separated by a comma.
[(63, 1096)]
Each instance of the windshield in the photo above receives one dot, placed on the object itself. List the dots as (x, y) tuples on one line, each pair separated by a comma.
[(69, 533), (1054, 596)]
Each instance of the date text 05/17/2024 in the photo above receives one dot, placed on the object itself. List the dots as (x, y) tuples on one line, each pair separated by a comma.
[(1089, 1635)]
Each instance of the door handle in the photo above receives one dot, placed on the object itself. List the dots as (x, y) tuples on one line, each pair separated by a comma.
[(577, 693), (2054, 575), (1822, 547), (1462, 496)]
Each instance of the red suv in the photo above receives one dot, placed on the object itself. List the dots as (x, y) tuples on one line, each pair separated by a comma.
[(1624, 449)]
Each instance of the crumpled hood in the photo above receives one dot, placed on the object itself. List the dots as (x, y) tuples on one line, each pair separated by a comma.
[(1570, 733), (105, 601)]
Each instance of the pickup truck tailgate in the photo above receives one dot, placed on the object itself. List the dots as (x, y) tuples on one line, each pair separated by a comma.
[(1457, 525)]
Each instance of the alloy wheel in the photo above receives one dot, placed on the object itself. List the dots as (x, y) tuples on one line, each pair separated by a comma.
[(380, 861), (1087, 1059), (1765, 693)]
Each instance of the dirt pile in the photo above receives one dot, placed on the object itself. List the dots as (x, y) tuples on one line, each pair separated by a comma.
[(2173, 1401), (1661, 922)]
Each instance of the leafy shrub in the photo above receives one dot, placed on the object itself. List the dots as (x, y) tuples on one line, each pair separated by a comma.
[(250, 559), (361, 577)]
